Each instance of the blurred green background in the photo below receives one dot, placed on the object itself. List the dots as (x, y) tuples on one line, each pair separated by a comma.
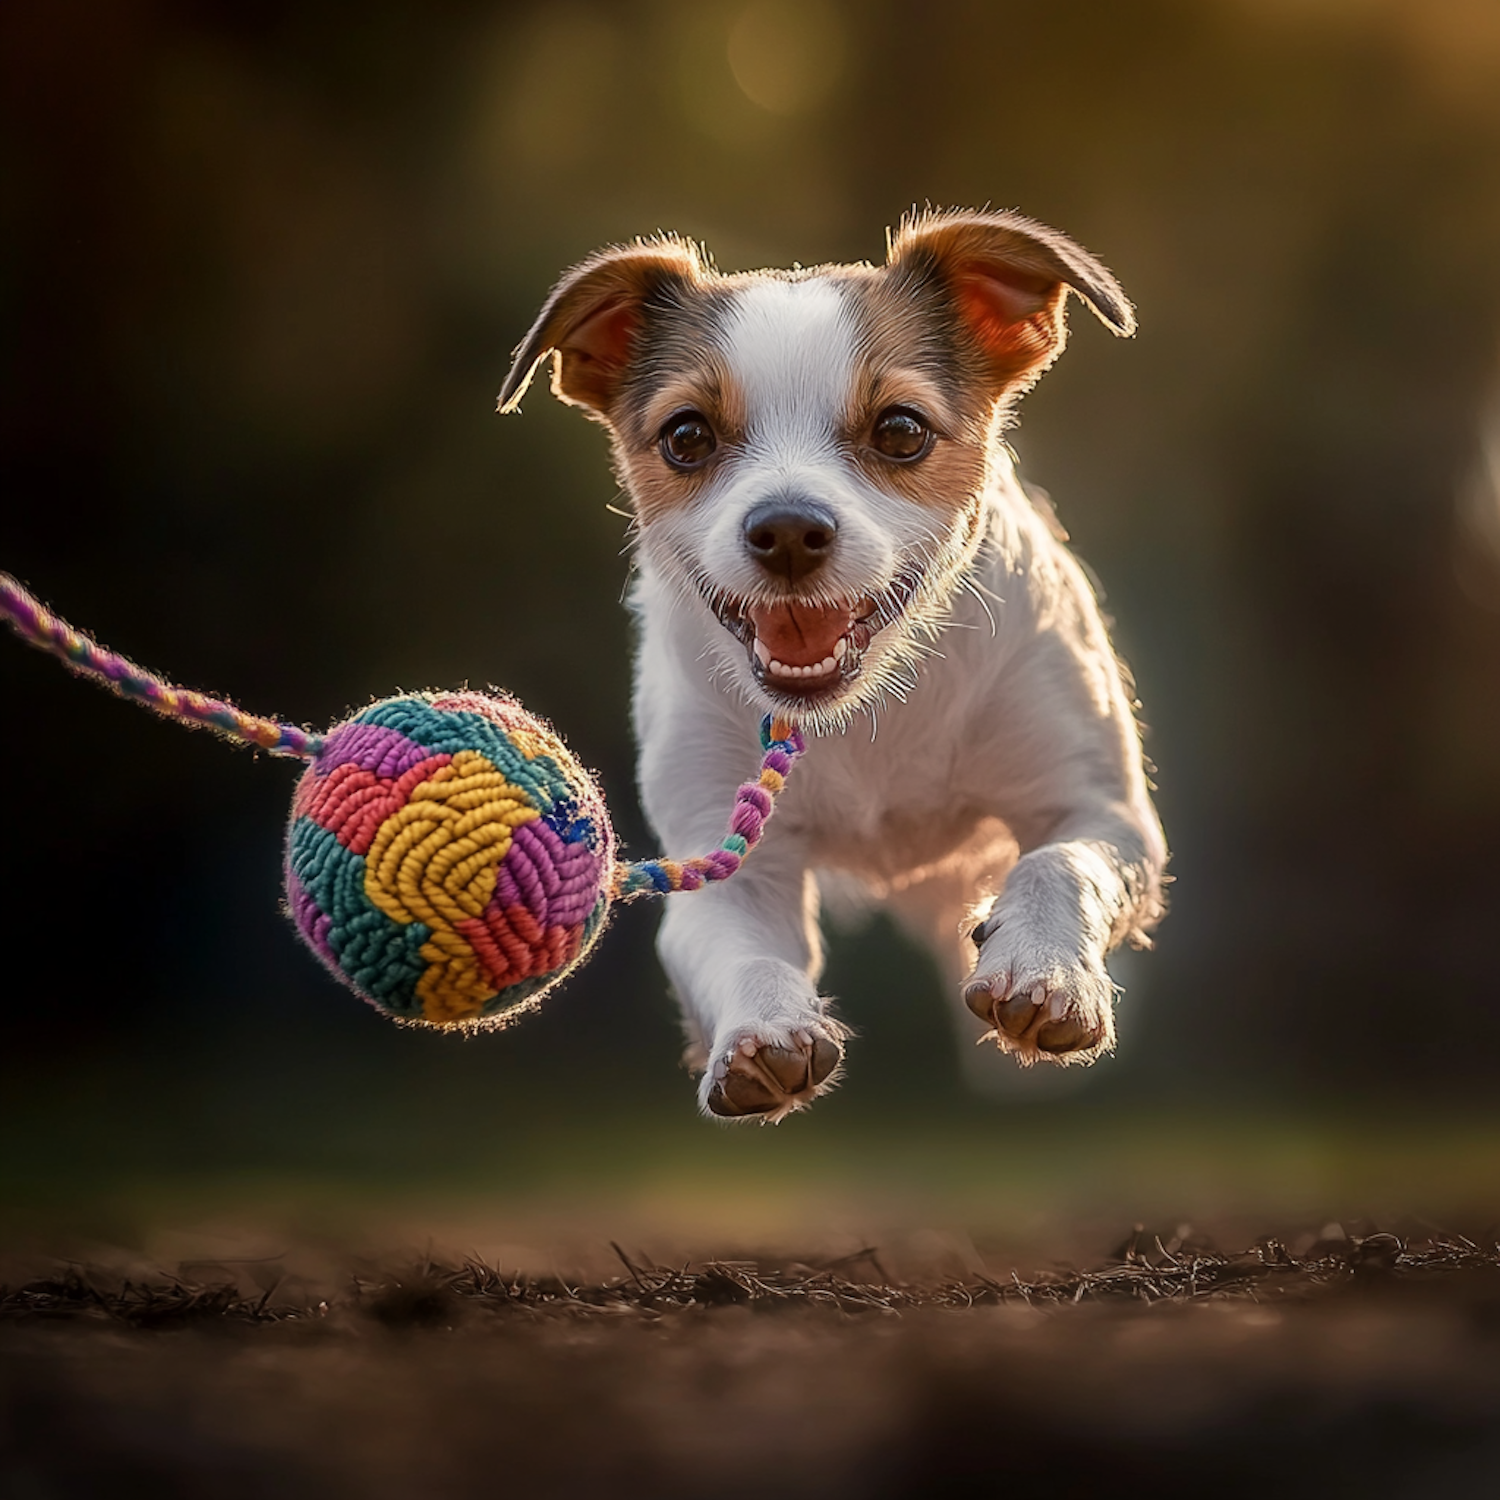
[(260, 276)]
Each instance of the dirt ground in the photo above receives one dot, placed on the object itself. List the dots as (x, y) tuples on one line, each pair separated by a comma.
[(1356, 1363)]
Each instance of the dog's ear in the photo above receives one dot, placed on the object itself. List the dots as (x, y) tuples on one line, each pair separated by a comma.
[(1008, 278), (592, 317)]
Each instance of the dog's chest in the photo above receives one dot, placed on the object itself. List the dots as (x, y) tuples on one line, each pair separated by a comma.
[(885, 807)]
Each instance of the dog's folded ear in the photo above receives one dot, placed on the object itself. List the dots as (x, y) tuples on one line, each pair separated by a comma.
[(1008, 278), (592, 317)]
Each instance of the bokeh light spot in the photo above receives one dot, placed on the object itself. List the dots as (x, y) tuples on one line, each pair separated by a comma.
[(787, 57)]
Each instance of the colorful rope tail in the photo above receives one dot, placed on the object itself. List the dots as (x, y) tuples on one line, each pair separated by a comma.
[(753, 804), (39, 627)]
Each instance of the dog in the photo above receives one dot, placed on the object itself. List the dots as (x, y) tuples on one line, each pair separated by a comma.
[(829, 526)]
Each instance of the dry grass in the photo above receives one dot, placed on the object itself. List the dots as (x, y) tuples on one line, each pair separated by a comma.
[(1145, 1269)]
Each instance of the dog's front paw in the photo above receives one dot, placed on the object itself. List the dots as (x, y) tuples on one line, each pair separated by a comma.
[(767, 1073), (1060, 1014)]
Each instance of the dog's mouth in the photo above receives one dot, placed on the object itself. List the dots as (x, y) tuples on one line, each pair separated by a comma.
[(803, 651)]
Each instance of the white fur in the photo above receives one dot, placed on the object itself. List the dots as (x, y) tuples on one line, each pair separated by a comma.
[(792, 349)]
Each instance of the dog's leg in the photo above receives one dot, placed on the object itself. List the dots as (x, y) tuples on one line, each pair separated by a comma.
[(743, 959), (1073, 790), (1040, 979)]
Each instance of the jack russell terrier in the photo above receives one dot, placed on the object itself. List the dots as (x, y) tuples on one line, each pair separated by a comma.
[(829, 525)]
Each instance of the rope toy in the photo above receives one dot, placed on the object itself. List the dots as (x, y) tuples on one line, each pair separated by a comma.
[(447, 858)]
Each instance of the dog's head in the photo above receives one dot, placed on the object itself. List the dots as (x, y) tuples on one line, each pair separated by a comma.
[(806, 450)]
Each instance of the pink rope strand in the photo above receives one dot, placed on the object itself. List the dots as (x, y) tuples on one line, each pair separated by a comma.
[(754, 802)]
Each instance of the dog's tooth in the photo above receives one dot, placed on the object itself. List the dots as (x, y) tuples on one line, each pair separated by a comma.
[(762, 652), (840, 648), (774, 668)]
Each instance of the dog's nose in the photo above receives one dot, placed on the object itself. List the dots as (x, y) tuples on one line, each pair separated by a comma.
[(790, 539)]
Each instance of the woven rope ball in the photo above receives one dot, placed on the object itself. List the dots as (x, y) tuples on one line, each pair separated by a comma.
[(447, 857)]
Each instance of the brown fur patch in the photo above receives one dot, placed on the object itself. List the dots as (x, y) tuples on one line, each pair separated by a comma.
[(592, 321), (916, 353), (1006, 278), (678, 367)]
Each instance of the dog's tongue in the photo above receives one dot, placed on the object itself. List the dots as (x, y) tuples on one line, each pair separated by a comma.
[(800, 635)]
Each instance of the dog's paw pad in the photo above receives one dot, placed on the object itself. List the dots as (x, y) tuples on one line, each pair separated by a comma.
[(1071, 1034), (755, 1077), (1042, 1022), (1014, 1016)]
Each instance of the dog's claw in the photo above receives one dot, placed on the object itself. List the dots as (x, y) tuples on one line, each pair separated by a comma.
[(768, 1079)]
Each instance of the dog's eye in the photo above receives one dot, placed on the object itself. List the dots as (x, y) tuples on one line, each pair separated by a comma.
[(901, 434), (687, 440)]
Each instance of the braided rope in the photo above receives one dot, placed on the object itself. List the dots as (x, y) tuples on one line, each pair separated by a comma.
[(39, 627), (754, 803)]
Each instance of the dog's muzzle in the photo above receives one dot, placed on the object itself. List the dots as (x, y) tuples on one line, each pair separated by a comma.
[(805, 651)]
